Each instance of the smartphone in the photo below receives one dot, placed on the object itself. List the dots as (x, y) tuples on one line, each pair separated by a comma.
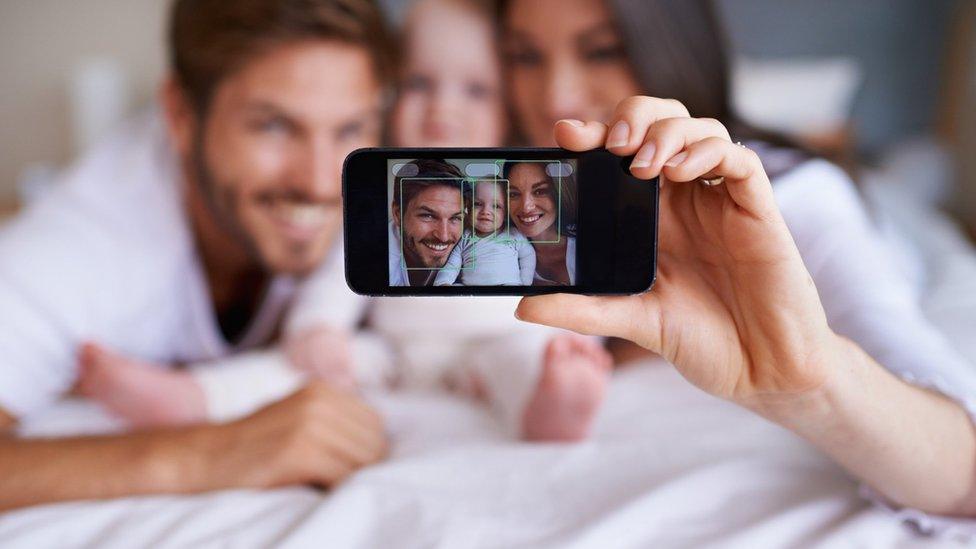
[(498, 221)]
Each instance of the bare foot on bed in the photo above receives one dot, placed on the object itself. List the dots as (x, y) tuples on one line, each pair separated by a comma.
[(144, 394), (575, 371)]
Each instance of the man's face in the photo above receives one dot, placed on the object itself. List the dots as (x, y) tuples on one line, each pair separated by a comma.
[(273, 142), (431, 224)]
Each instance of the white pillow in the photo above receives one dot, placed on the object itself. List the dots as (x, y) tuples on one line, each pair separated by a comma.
[(798, 97)]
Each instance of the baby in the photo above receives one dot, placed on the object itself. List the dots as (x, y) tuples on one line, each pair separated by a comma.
[(544, 384), (489, 254)]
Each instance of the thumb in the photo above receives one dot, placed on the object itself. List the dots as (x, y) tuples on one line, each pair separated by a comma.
[(628, 317), (575, 135)]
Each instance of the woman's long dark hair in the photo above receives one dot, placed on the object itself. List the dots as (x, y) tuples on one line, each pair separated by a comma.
[(678, 49)]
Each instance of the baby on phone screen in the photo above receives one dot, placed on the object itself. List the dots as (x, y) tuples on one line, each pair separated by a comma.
[(490, 253)]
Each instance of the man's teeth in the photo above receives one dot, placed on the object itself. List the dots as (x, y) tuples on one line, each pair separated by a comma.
[(309, 215), (436, 247)]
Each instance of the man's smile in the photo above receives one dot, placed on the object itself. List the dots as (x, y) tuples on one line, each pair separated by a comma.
[(299, 220), (437, 246)]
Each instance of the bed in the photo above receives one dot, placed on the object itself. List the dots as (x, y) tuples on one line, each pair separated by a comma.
[(667, 466)]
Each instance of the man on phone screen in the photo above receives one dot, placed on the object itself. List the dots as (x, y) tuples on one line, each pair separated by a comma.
[(428, 217)]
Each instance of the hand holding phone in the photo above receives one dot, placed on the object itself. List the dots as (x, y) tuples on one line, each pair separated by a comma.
[(733, 307)]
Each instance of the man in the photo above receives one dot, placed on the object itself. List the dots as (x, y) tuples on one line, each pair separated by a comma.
[(182, 244), (428, 217)]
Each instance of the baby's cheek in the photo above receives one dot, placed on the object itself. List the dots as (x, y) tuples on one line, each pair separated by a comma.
[(485, 121)]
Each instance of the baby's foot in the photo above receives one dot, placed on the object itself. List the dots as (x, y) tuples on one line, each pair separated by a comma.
[(575, 371), (144, 394)]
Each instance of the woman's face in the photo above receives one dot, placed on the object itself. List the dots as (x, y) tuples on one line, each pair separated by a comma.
[(564, 59), (488, 208), (530, 199)]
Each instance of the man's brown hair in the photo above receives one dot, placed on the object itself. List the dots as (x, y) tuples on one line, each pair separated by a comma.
[(423, 174), (211, 39)]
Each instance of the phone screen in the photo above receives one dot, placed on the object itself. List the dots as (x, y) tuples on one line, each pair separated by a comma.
[(498, 221), (482, 222)]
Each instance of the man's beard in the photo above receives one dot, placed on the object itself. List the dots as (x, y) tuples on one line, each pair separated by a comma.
[(414, 247), (221, 202)]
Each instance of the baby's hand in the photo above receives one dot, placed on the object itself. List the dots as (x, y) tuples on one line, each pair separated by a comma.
[(323, 352)]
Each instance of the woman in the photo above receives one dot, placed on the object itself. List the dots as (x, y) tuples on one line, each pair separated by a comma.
[(735, 308), (543, 209)]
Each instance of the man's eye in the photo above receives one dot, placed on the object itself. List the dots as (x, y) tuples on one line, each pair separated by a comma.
[(417, 83), (276, 125), (351, 131), (426, 217)]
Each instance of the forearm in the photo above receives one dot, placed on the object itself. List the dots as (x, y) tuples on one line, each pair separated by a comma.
[(914, 446), (51, 470)]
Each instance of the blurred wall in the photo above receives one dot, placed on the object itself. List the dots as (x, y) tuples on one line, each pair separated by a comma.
[(42, 42), (900, 45)]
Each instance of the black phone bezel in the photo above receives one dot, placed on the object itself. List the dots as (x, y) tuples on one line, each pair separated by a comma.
[(634, 214)]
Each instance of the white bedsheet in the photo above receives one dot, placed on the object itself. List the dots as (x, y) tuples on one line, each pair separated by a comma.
[(668, 466)]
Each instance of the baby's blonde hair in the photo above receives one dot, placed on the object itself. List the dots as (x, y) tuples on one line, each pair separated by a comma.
[(481, 8)]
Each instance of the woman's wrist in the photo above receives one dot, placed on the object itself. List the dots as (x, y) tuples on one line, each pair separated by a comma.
[(839, 364), (915, 447)]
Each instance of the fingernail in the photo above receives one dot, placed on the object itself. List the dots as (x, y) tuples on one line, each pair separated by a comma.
[(676, 160), (619, 135), (644, 156), (573, 122)]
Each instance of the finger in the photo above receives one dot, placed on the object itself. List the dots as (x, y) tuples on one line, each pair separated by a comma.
[(575, 135), (666, 138), (634, 116), (354, 408), (745, 179), (631, 317), (368, 432), (344, 411), (352, 445), (362, 413), (330, 470), (344, 381)]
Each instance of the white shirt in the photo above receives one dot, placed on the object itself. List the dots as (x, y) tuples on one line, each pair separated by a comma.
[(398, 271), (865, 295), (107, 255), (504, 258), (867, 299)]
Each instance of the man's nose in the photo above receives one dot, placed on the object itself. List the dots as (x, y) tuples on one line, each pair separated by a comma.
[(443, 231), (320, 177)]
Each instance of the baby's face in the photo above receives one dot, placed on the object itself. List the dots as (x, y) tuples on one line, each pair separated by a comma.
[(488, 208), (450, 94)]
